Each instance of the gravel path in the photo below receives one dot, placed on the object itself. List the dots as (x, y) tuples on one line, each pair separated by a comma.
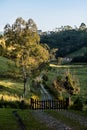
[(50, 121), (45, 94)]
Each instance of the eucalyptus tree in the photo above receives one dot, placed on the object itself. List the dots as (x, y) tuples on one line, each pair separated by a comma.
[(23, 46), (82, 26), (2, 45)]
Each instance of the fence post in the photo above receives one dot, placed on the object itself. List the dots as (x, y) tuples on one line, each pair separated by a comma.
[(32, 103), (49, 104), (67, 103)]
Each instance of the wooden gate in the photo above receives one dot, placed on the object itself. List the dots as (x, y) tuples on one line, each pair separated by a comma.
[(49, 104)]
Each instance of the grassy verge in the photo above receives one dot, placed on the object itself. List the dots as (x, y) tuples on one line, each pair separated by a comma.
[(81, 113), (7, 120), (70, 122)]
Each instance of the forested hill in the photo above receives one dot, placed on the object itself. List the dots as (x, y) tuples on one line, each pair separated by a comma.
[(67, 40)]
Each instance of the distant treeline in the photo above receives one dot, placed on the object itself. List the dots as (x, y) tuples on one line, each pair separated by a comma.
[(67, 40)]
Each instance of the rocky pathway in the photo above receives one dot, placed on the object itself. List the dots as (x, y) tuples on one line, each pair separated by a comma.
[(50, 121)]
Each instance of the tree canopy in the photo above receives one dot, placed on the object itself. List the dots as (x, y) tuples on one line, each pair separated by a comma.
[(66, 39), (23, 45)]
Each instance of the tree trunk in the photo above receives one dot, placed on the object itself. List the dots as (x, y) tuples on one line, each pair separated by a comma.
[(25, 80)]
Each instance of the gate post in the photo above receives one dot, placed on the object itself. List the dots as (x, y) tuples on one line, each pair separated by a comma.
[(67, 103), (32, 103)]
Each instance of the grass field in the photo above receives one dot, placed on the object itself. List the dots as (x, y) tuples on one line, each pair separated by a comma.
[(11, 83), (10, 90), (9, 86), (12, 87)]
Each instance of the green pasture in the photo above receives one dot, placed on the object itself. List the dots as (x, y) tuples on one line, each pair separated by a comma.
[(11, 83), (14, 87), (10, 89)]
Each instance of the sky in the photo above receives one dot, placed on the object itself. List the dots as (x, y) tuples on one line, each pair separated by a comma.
[(47, 14)]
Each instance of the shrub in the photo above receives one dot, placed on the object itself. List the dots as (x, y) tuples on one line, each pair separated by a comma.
[(14, 104)]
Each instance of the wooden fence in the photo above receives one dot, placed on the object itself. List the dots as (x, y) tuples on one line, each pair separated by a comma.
[(49, 104)]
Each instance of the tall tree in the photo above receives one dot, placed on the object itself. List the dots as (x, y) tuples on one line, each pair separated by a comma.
[(23, 45), (2, 46), (82, 26)]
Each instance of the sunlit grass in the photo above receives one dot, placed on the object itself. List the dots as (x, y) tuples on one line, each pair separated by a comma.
[(11, 83), (58, 66), (10, 90), (11, 87), (9, 97), (65, 66)]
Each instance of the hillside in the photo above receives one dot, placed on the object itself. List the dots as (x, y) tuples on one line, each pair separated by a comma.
[(79, 52), (67, 41), (10, 88), (7, 68), (12, 83)]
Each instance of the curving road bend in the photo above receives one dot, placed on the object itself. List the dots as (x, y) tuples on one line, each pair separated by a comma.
[(45, 94)]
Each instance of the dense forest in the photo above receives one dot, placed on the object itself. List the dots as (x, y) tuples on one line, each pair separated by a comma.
[(67, 40)]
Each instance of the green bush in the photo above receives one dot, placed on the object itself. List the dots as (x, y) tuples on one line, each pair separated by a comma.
[(14, 104)]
